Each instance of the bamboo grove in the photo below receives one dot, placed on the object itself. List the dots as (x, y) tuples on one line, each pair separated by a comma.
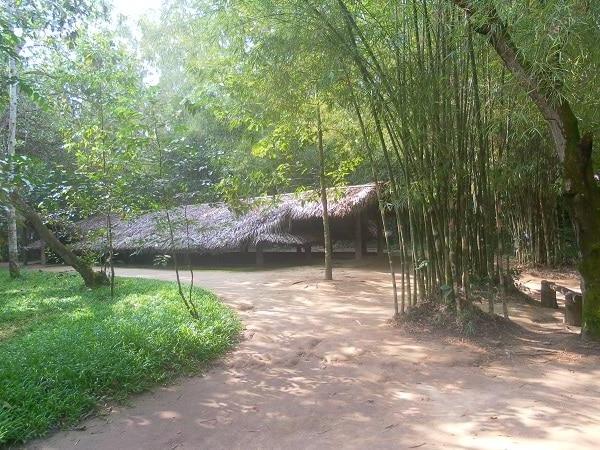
[(430, 109), (471, 181)]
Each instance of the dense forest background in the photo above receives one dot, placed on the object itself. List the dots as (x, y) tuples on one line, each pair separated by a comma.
[(222, 100)]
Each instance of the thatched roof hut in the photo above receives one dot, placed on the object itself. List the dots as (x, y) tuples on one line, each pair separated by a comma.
[(284, 220)]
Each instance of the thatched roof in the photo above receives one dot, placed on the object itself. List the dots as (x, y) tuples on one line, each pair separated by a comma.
[(215, 228), (88, 231)]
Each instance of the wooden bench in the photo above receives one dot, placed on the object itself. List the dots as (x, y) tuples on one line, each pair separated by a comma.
[(573, 301)]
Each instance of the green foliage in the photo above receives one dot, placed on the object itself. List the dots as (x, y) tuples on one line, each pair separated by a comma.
[(66, 350), (103, 126), (254, 83), (232, 113)]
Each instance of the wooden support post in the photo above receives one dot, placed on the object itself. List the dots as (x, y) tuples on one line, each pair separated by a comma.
[(43, 254), (358, 238), (308, 252), (548, 295), (298, 249), (260, 256), (380, 240), (573, 309)]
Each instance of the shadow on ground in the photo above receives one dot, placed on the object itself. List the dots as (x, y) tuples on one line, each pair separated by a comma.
[(320, 367)]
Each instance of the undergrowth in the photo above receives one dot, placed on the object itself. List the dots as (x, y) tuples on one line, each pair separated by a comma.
[(432, 315), (65, 350)]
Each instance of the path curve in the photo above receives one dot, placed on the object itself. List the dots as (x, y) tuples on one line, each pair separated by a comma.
[(320, 368)]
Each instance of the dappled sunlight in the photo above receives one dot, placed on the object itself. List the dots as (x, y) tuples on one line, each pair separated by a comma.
[(320, 365), (400, 395), (138, 421), (169, 415)]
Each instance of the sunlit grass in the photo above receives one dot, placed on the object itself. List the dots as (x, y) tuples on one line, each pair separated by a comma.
[(65, 349)]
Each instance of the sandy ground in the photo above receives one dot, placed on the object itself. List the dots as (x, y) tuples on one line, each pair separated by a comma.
[(320, 367)]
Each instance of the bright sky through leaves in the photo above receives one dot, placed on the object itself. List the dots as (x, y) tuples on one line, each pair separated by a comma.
[(135, 9)]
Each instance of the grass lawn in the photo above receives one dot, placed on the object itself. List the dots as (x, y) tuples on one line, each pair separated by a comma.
[(65, 349)]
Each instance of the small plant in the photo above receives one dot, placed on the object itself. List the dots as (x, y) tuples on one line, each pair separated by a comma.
[(161, 260), (467, 321)]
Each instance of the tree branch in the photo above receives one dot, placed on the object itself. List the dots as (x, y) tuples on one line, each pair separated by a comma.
[(545, 94)]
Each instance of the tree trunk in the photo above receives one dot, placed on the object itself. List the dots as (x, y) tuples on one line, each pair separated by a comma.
[(91, 279), (573, 150), (584, 198), (323, 184), (13, 251)]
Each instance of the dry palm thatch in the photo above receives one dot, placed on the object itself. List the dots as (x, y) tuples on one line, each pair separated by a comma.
[(217, 228), (88, 233)]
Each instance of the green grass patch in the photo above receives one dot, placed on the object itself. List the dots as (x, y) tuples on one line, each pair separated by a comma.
[(65, 350)]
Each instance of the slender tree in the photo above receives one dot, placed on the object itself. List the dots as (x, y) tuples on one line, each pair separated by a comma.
[(13, 94), (323, 192)]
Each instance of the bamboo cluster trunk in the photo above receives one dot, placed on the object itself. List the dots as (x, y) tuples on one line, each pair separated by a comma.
[(429, 102)]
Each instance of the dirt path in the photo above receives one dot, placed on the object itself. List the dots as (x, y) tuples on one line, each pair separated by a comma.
[(321, 368)]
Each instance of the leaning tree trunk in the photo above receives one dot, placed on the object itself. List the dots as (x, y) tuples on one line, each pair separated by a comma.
[(323, 184), (13, 252), (584, 199), (91, 279), (573, 150)]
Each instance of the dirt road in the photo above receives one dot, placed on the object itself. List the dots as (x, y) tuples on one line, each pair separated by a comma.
[(321, 368)]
